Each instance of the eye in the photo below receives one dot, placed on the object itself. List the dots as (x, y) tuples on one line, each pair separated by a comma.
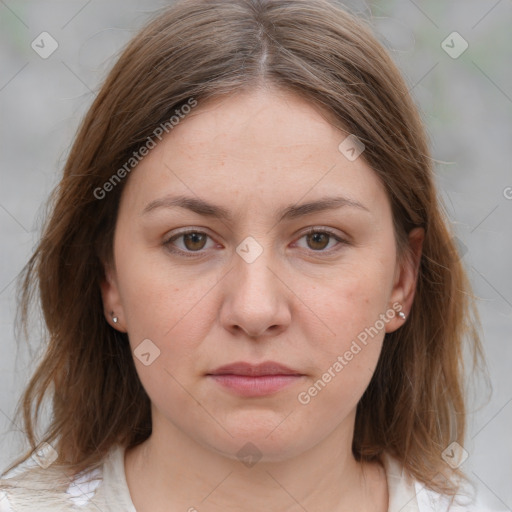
[(318, 239), (192, 242)]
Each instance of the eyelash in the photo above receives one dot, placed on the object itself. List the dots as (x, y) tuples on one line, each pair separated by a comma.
[(191, 254)]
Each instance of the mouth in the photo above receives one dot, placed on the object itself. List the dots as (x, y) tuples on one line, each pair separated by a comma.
[(254, 380)]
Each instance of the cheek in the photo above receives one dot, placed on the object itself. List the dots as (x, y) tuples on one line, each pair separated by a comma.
[(169, 305), (344, 329), (175, 312), (345, 303), (342, 361), (155, 293)]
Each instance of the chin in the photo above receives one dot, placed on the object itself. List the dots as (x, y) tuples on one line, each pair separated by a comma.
[(260, 440)]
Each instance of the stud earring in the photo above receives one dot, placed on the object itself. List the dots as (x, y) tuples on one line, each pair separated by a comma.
[(114, 318), (401, 314)]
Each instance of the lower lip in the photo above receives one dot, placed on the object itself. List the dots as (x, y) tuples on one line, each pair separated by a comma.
[(255, 386)]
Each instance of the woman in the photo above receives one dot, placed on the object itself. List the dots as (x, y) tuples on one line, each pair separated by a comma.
[(252, 298)]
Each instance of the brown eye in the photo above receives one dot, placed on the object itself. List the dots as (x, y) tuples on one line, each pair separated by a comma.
[(188, 243), (194, 241), (322, 241), (318, 241)]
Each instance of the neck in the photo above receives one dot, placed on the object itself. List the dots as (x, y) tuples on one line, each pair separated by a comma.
[(170, 468)]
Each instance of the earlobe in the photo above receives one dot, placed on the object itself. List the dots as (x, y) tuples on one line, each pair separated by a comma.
[(110, 295), (405, 284)]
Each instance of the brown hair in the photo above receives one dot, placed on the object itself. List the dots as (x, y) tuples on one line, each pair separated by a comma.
[(414, 406)]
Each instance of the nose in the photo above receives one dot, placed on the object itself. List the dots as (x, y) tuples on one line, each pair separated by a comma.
[(255, 298)]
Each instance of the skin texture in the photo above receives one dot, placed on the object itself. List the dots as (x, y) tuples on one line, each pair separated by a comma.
[(301, 302)]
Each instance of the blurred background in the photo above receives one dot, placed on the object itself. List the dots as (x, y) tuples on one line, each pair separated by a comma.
[(456, 57)]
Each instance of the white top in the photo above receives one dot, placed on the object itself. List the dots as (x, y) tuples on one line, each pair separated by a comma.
[(105, 489)]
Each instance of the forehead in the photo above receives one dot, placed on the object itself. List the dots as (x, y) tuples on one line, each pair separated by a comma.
[(270, 117), (260, 146)]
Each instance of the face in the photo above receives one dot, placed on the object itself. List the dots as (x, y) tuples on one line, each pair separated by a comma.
[(269, 279)]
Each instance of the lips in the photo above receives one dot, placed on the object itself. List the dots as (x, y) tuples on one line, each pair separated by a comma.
[(254, 370), (255, 380)]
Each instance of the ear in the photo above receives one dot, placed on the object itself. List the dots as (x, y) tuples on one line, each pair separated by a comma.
[(406, 275), (112, 299)]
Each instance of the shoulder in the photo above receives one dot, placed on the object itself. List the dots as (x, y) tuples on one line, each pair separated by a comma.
[(466, 500), (408, 495), (30, 487)]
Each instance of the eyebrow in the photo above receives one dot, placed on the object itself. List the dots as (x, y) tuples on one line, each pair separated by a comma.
[(206, 209)]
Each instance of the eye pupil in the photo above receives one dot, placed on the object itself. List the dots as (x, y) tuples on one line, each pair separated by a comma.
[(194, 237), (317, 238)]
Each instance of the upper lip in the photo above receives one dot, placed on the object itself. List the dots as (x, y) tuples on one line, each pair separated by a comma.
[(243, 368)]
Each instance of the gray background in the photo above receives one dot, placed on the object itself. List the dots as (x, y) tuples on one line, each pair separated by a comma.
[(466, 103)]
